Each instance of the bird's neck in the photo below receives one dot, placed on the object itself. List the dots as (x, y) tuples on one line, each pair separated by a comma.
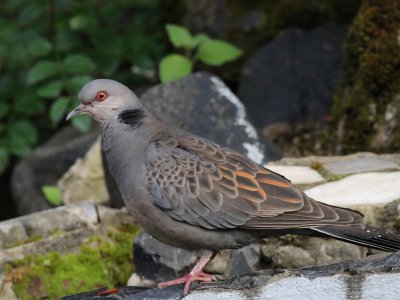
[(125, 143)]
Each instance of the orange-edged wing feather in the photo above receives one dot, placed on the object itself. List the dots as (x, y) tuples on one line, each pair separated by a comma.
[(199, 182)]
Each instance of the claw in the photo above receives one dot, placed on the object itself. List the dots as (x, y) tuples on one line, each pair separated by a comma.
[(196, 274)]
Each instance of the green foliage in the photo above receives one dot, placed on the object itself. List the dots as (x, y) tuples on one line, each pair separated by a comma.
[(102, 261), (50, 48), (216, 53), (52, 194), (174, 66), (201, 47)]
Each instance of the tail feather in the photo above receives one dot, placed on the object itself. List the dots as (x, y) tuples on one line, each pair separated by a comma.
[(366, 235)]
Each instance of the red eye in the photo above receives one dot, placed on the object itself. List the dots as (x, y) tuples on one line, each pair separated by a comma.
[(101, 96)]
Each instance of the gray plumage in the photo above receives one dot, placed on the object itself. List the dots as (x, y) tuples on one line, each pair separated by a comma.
[(192, 193)]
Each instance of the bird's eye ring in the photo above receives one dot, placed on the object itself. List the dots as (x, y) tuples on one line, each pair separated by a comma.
[(101, 96)]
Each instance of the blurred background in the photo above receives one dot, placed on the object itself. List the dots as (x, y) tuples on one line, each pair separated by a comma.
[(316, 77)]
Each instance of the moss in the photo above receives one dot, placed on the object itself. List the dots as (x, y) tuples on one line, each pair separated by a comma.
[(295, 240), (317, 166), (371, 77), (333, 177), (102, 261)]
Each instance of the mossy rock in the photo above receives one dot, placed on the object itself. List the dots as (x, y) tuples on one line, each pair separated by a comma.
[(101, 261), (367, 104)]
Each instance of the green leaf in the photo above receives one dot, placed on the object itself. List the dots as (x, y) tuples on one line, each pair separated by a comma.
[(83, 123), (78, 64), (200, 38), (77, 82), (4, 159), (18, 145), (39, 47), (3, 109), (174, 66), (52, 194), (179, 36), (25, 130), (40, 71), (78, 22), (58, 109), (217, 52), (51, 89)]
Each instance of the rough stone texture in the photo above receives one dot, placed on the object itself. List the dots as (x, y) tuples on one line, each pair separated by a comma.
[(243, 260), (359, 190), (292, 78), (296, 251), (84, 181), (38, 225), (204, 105), (376, 277), (360, 165), (45, 166), (297, 174), (38, 233), (157, 261), (115, 217)]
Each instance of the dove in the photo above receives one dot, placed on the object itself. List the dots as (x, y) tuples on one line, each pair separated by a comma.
[(192, 193)]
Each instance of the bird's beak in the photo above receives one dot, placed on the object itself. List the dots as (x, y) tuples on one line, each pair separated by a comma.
[(77, 111)]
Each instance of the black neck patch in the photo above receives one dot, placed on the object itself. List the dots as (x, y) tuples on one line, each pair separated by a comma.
[(132, 117)]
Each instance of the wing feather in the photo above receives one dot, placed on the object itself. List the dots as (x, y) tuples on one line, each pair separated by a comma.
[(201, 183)]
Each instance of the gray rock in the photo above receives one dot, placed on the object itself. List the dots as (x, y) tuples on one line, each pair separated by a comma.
[(376, 277), (159, 262), (35, 233), (293, 251), (84, 181), (45, 166), (292, 78), (243, 260), (360, 165), (204, 105)]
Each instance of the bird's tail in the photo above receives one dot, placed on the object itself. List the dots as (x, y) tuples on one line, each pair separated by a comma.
[(366, 235)]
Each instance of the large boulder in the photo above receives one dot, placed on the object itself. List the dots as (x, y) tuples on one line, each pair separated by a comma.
[(292, 78), (202, 104)]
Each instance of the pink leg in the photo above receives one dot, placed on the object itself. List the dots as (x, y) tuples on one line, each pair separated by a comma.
[(196, 274)]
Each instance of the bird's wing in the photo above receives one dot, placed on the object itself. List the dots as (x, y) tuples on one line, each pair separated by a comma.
[(201, 183)]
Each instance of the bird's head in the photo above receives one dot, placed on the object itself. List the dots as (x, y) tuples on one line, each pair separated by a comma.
[(105, 99)]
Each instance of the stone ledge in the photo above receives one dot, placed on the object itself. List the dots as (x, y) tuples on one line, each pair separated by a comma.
[(375, 277)]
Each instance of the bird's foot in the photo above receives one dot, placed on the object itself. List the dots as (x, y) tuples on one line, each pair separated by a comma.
[(196, 274)]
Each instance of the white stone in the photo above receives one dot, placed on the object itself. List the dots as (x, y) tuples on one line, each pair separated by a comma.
[(136, 280), (299, 288), (381, 286), (254, 151), (297, 174), (84, 181), (360, 189)]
